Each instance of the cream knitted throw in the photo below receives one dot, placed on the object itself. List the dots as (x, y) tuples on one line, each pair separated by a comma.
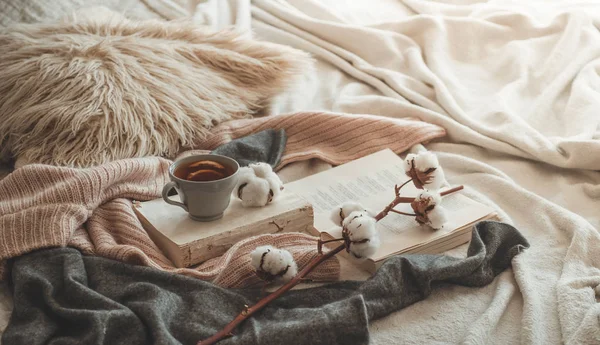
[(90, 209)]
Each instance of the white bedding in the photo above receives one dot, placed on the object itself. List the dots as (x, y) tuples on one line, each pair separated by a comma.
[(516, 84)]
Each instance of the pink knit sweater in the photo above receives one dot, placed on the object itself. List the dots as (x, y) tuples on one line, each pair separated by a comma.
[(90, 209)]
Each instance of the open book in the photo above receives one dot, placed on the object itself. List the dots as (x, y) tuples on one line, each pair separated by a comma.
[(370, 181)]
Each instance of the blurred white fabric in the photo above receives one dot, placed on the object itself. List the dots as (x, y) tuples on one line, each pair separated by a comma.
[(515, 83)]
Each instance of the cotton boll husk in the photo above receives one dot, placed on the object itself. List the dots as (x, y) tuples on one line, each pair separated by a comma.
[(435, 198), (339, 213), (256, 191), (437, 217), (261, 169)]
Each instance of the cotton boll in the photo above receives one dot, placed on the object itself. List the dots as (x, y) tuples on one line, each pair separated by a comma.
[(367, 249), (361, 232), (275, 183), (428, 209), (257, 253), (438, 179), (426, 160), (437, 217), (408, 161), (252, 190), (432, 198), (257, 185), (339, 213), (261, 169), (292, 268), (425, 170), (243, 171), (273, 263), (359, 224)]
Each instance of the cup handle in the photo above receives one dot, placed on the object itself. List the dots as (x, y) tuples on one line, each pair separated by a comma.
[(165, 194)]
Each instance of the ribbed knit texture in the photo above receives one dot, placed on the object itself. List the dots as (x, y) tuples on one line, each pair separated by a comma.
[(333, 137), (91, 209)]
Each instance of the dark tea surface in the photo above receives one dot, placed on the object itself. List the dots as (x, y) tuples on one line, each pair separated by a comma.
[(205, 170)]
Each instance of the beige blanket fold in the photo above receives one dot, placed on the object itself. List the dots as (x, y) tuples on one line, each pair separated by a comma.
[(91, 209)]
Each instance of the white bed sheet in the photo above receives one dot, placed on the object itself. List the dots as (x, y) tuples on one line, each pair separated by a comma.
[(551, 294)]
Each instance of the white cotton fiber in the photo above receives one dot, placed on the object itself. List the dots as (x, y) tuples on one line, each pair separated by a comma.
[(360, 226), (408, 161), (276, 262), (275, 184), (423, 162), (437, 217), (256, 255), (252, 190), (438, 180), (245, 171), (261, 169), (426, 160), (257, 181), (432, 197), (339, 213)]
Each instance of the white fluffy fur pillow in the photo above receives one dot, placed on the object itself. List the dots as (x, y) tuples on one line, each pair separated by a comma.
[(82, 92)]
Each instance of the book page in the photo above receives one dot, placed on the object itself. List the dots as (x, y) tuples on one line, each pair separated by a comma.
[(370, 181)]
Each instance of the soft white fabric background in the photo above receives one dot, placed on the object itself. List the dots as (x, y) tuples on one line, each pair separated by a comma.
[(516, 85)]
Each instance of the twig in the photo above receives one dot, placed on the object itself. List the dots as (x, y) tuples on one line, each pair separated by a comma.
[(321, 243), (450, 191), (397, 200), (403, 213), (397, 189), (248, 311)]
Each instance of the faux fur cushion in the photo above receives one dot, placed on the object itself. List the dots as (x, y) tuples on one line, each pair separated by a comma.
[(86, 91)]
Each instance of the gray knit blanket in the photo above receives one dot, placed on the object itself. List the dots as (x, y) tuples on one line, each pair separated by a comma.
[(63, 297)]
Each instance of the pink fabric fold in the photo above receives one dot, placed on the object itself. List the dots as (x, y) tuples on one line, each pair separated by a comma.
[(44, 206)]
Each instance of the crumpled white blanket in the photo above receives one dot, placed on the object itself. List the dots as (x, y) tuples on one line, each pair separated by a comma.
[(517, 91), (516, 85)]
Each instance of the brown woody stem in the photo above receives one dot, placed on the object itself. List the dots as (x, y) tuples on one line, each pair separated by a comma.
[(452, 190), (321, 243), (247, 312), (403, 213)]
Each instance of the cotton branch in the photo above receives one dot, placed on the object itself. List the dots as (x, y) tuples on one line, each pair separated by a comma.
[(249, 311), (407, 200), (358, 230)]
